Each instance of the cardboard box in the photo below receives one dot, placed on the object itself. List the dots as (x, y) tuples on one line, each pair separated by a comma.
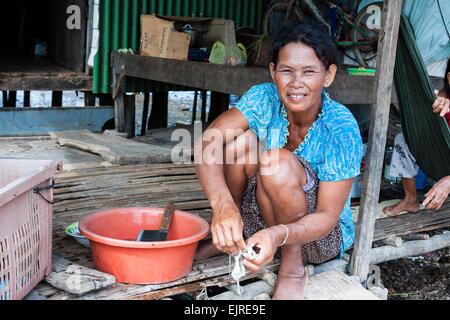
[(160, 36), (214, 29), (159, 39)]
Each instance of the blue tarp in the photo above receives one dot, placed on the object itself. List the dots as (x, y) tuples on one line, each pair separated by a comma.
[(429, 26)]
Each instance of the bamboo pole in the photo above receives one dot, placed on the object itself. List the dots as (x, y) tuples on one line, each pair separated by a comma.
[(387, 47)]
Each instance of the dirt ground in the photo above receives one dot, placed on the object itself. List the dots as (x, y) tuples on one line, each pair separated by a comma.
[(418, 278)]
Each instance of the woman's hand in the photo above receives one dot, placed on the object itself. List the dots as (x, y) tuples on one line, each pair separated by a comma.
[(437, 194), (441, 104), (266, 241), (227, 228)]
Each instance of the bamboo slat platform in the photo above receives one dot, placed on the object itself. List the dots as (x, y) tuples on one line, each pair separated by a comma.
[(83, 191), (80, 192)]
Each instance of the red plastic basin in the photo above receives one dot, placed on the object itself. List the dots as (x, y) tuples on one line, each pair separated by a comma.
[(112, 235)]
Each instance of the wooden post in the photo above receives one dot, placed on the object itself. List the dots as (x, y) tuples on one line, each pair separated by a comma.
[(159, 113), (125, 114), (145, 113), (12, 98), (57, 97), (203, 111), (219, 103), (5, 98), (89, 99), (119, 106), (194, 107), (387, 47), (130, 115), (105, 99), (26, 98)]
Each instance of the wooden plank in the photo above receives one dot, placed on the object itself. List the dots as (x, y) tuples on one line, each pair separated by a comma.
[(16, 121), (83, 176), (124, 199), (336, 285), (28, 74), (387, 47), (199, 278), (45, 290), (72, 191), (64, 83), (77, 279), (423, 220), (24, 67), (150, 169), (225, 79), (230, 80), (191, 185), (248, 292), (112, 148)]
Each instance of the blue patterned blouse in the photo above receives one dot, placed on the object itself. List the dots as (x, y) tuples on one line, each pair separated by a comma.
[(333, 145)]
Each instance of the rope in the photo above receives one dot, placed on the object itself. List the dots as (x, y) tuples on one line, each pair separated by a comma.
[(39, 189), (239, 269), (203, 295)]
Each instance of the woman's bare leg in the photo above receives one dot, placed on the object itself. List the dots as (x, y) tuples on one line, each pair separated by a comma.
[(281, 200), (240, 165)]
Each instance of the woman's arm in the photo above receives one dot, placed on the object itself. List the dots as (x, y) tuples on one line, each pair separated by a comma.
[(226, 226), (331, 200)]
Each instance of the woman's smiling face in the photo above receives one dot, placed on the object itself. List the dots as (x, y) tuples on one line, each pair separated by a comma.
[(300, 76)]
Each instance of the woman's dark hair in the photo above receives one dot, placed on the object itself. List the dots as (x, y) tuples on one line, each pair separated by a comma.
[(312, 35), (446, 84)]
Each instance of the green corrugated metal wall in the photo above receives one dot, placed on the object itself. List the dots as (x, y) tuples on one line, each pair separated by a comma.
[(119, 27)]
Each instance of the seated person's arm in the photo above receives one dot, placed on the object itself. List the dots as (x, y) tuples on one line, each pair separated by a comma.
[(437, 194), (442, 104)]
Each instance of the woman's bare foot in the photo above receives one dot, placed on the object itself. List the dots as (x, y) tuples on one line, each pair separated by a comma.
[(403, 205), (291, 286), (206, 249)]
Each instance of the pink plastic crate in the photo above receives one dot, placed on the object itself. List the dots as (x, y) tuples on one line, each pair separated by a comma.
[(25, 224)]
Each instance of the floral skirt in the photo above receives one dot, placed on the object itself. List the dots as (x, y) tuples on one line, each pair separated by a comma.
[(317, 251)]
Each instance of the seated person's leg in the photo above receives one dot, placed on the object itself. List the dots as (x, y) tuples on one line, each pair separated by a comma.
[(403, 165)]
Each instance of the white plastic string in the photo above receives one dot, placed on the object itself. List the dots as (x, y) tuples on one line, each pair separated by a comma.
[(239, 269), (203, 295)]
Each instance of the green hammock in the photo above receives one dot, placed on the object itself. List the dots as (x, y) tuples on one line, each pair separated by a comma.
[(426, 133)]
